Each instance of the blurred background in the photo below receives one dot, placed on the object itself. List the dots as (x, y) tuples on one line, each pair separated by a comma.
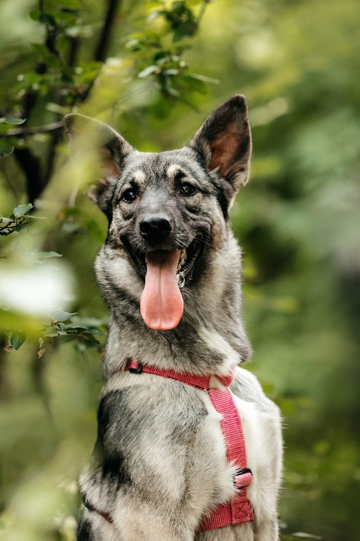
[(153, 70)]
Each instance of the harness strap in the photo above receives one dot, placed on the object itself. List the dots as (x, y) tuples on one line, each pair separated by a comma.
[(194, 380), (238, 509)]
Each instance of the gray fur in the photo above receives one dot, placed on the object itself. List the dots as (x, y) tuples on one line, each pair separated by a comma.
[(159, 462)]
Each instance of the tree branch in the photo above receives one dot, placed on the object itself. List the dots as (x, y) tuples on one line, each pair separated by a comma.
[(73, 51), (31, 166), (11, 226), (104, 39), (51, 156), (202, 11)]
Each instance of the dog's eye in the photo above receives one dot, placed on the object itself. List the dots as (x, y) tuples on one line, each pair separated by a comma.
[(188, 189), (129, 195)]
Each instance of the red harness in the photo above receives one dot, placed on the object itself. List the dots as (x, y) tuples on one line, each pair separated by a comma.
[(238, 509)]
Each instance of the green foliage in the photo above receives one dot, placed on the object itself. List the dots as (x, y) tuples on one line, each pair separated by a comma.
[(299, 535), (17, 220), (12, 121), (64, 327), (17, 339), (153, 78), (21, 210), (5, 150)]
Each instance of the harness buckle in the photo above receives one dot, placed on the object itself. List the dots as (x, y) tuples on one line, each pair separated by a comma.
[(243, 478), (137, 370)]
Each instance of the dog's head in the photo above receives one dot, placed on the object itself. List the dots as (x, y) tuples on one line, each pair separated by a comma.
[(167, 210)]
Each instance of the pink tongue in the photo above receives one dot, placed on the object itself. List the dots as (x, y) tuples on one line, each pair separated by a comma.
[(161, 303)]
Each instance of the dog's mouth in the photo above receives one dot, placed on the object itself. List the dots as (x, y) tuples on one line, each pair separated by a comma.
[(166, 272)]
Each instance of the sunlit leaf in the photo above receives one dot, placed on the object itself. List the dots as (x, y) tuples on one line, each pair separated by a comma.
[(171, 72), (148, 71), (304, 535), (21, 210), (60, 315), (47, 255), (200, 77)]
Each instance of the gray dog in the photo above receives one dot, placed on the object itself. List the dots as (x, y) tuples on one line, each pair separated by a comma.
[(170, 273)]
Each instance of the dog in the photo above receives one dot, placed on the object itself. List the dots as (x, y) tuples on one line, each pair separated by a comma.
[(170, 272)]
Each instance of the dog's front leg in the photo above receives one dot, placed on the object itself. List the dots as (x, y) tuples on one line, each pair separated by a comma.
[(141, 520), (132, 523), (241, 532), (93, 527), (267, 531)]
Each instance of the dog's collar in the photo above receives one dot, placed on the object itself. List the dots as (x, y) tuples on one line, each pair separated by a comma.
[(194, 380)]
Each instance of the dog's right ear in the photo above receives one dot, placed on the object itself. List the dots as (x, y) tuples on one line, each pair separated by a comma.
[(224, 144), (111, 147)]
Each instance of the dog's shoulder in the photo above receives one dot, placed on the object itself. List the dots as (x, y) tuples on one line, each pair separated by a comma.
[(247, 387), (154, 406)]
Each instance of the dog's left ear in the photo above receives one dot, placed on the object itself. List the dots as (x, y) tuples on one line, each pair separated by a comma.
[(111, 149), (224, 143)]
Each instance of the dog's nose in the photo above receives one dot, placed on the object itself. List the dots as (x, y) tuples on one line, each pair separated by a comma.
[(155, 226)]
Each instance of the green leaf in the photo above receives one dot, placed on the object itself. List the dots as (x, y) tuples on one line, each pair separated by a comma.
[(76, 327), (21, 210), (47, 19), (17, 339), (94, 330), (13, 121), (171, 72), (147, 71), (203, 78), (90, 321), (6, 150), (304, 535), (47, 255), (35, 14), (81, 328), (50, 332), (60, 315), (90, 337)]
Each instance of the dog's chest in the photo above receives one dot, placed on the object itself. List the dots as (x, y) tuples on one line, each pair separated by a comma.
[(162, 439)]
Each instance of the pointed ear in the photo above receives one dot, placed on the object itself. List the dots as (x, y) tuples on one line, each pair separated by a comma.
[(224, 143), (111, 147)]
